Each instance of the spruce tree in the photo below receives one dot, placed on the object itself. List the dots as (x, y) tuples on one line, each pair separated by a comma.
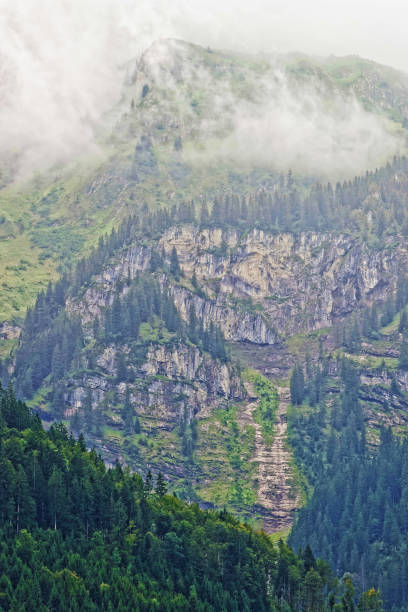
[(148, 484), (87, 410), (175, 269), (75, 423), (297, 385), (161, 487), (121, 369), (403, 356), (192, 325), (127, 413), (403, 324)]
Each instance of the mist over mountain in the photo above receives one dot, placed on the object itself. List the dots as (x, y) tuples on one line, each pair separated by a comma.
[(63, 66), (203, 279)]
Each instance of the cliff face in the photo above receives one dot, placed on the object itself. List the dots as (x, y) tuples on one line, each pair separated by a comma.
[(286, 283), (167, 371), (261, 287), (174, 385)]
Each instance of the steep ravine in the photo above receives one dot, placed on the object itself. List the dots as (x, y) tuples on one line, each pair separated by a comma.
[(278, 497)]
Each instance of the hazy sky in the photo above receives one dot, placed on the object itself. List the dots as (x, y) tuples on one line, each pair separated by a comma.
[(372, 28), (59, 59)]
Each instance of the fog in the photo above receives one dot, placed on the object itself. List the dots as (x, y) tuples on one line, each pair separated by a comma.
[(298, 129), (62, 64)]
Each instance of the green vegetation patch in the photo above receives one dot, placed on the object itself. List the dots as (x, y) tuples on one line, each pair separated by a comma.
[(268, 402)]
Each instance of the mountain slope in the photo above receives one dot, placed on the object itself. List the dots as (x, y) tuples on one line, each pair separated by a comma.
[(177, 134), (78, 536), (129, 347)]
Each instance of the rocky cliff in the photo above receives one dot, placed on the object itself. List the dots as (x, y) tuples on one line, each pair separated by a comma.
[(261, 287), (284, 283)]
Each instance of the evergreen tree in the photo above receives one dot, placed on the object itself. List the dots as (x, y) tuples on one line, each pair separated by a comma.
[(76, 423), (403, 356), (175, 269), (148, 484), (395, 390), (121, 368), (403, 324), (192, 325), (127, 413), (76, 535), (88, 411), (297, 385), (161, 487)]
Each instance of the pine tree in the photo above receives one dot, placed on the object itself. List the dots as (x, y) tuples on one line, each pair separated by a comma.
[(57, 497), (148, 484), (161, 487), (403, 324), (95, 327), (57, 367), (395, 390), (116, 317), (194, 281), (313, 591), (87, 409), (204, 214), (127, 413), (192, 325), (297, 385), (99, 422), (175, 269), (58, 402), (121, 369), (380, 224), (403, 356), (76, 423), (136, 426), (374, 318), (156, 261)]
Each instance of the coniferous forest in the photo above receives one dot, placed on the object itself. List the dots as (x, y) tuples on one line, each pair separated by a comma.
[(78, 536), (357, 513), (91, 532)]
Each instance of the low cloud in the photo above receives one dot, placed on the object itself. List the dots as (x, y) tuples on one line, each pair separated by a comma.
[(314, 132), (62, 65)]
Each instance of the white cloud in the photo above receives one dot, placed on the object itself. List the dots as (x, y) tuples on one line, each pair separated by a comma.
[(298, 129), (61, 62)]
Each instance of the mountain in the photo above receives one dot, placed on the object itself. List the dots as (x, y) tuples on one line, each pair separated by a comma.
[(191, 123), (227, 306)]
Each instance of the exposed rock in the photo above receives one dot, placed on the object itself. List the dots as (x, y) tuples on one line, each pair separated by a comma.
[(236, 325), (261, 287), (169, 372), (278, 497), (287, 282), (8, 331)]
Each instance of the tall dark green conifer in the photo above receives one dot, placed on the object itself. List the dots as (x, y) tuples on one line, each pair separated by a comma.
[(175, 269)]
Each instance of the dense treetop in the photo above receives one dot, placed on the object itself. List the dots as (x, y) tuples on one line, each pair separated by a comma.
[(356, 516), (78, 536)]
